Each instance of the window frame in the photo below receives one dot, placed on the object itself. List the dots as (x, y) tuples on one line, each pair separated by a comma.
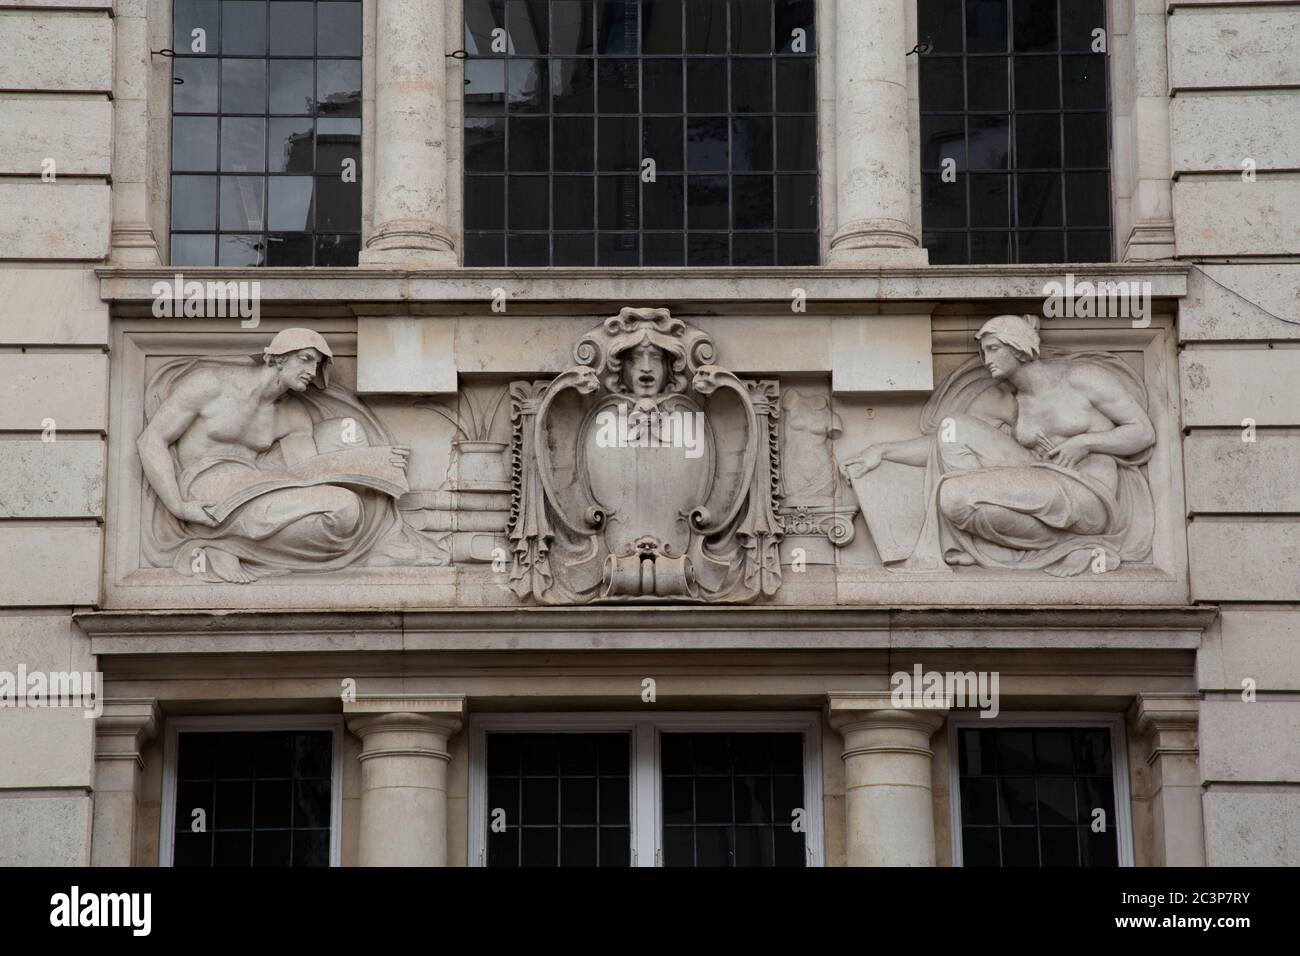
[(1049, 720), (645, 766), (218, 724)]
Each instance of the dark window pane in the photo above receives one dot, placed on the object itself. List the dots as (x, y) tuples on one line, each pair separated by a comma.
[(796, 139), (577, 249), (751, 86), (484, 202), (574, 200), (578, 800), (616, 26), (528, 24), (289, 205), (311, 805), (1056, 800), (797, 249), (787, 796), (706, 206), (274, 848), (285, 249), (1038, 140), (1034, 25), (292, 88), (615, 846), (573, 86), (794, 25), (527, 86), (572, 24), (482, 17), (529, 204), (941, 82), (1086, 140), (990, 201), (979, 846), (1099, 849), (787, 749), (1015, 751), (617, 141), (485, 249), (943, 137), (679, 846), (753, 796), (706, 249), (796, 86), (751, 26), (664, 249), (578, 846), (614, 801), (1016, 800), (751, 142), (338, 250), (986, 26), (986, 83), (243, 27), (940, 20), (197, 91), (232, 848), (1083, 81), (706, 86), (712, 846), (193, 250), (662, 140), (618, 202), (338, 146), (290, 34), (796, 202), (530, 144), (706, 142), (243, 86), (191, 15), (194, 202), (1037, 83), (946, 247), (503, 754), (243, 144), (1088, 245), (527, 249), (575, 148), (338, 203), (485, 144), (990, 247), (290, 149), (1019, 846), (247, 250), (661, 86), (1041, 246), (706, 28), (661, 26), (988, 142), (338, 29), (752, 206), (311, 848), (754, 846), (1038, 199), (194, 143), (539, 846), (664, 203), (273, 800), (618, 249), (1053, 751), (979, 802), (1079, 18), (753, 250), (338, 87), (541, 755), (790, 847), (485, 88), (618, 86)]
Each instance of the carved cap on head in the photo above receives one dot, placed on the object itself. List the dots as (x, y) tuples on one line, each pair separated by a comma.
[(295, 340), (1018, 332)]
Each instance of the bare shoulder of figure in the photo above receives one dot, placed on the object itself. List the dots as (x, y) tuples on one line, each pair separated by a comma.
[(1092, 380), (996, 403), (198, 386), (293, 415)]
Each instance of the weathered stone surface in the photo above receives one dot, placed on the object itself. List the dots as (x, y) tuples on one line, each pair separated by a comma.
[(56, 51), (58, 306), (1271, 726), (1249, 827), (54, 220), (1223, 216), (47, 830), (49, 564), (1226, 386), (883, 353), (1227, 474), (1218, 131), (46, 747), (1225, 47), (406, 354), (1261, 644), (1241, 301), (42, 641), (66, 387), (75, 133), (1244, 560), (59, 479)]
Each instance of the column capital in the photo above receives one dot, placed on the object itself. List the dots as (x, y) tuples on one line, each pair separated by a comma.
[(1168, 722), (430, 713), (124, 727), (865, 710)]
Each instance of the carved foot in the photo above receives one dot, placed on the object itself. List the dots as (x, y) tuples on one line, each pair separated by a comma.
[(1076, 562), (959, 558), (228, 567)]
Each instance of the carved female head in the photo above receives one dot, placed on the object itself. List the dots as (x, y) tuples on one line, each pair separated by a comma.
[(1007, 342)]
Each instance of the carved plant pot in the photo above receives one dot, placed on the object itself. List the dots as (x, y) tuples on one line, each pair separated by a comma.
[(480, 466)]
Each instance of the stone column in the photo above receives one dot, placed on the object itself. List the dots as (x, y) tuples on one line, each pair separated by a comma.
[(404, 759), (1152, 233), (888, 798), (120, 733), (133, 241), (1167, 723), (410, 174), (873, 160)]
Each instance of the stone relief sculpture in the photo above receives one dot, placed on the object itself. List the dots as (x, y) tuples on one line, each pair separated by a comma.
[(644, 473), (1032, 460), (264, 468), (811, 492)]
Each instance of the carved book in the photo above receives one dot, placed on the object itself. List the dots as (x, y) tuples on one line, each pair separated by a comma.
[(367, 467)]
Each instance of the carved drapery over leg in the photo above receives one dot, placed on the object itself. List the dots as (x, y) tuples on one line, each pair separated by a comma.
[(120, 734), (888, 797), (873, 160), (410, 178), (404, 759)]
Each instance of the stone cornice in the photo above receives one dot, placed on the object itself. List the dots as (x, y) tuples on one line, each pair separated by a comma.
[(371, 291), (645, 628)]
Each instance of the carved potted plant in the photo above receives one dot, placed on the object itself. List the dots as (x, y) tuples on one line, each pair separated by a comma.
[(477, 462)]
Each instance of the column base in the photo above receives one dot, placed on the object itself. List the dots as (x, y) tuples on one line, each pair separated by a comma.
[(876, 243), (133, 243), (1148, 240), (411, 244)]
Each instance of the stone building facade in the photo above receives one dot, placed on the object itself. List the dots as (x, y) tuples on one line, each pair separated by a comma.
[(620, 541)]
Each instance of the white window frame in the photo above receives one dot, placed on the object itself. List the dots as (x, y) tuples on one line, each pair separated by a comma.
[(1048, 720), (645, 811), (288, 723)]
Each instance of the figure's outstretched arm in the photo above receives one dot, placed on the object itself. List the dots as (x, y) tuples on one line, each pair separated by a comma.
[(909, 451)]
